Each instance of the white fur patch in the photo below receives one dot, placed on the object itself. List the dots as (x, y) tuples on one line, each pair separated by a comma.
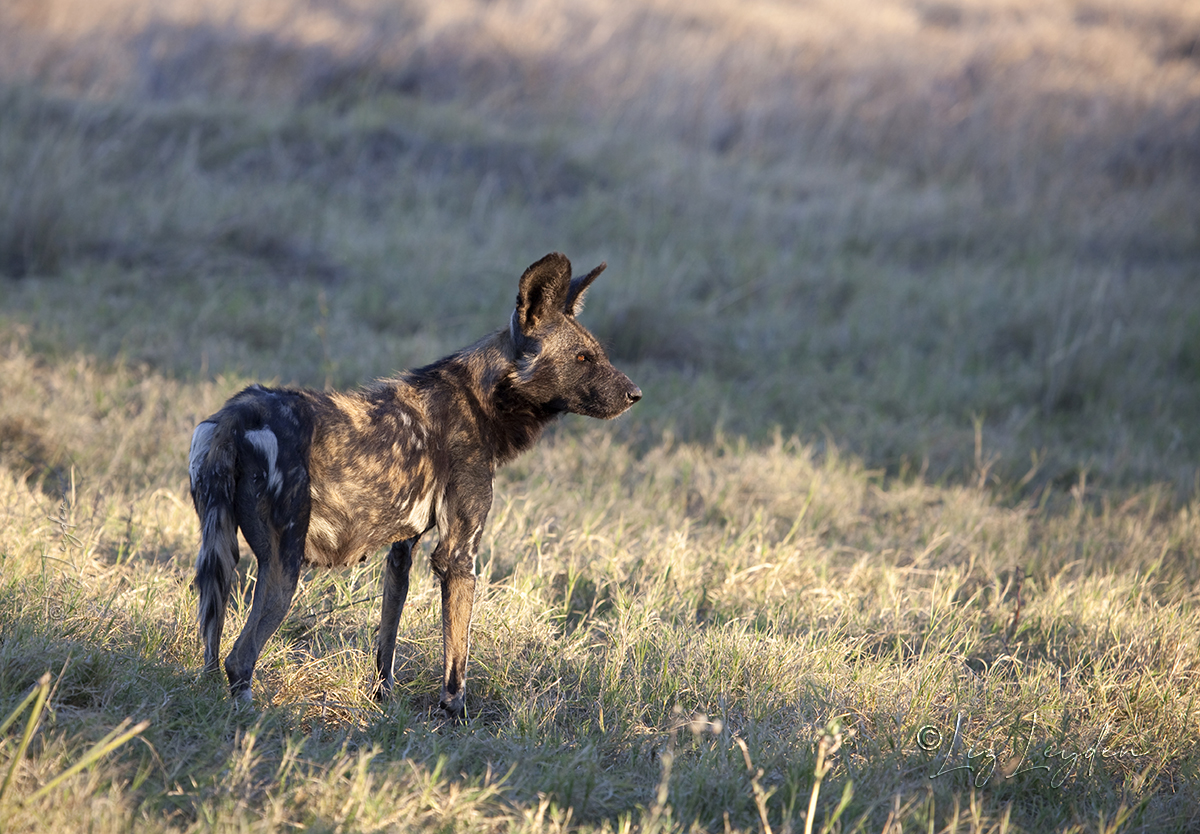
[(420, 511), (525, 368), (440, 510), (201, 441), (322, 534), (265, 441)]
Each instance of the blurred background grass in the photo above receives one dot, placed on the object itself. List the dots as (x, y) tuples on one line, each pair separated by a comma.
[(902, 226)]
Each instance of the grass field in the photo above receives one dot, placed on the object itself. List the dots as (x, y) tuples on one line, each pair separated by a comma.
[(906, 525)]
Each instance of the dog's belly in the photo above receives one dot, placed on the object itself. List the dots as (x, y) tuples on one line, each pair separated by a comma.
[(371, 479), (346, 525)]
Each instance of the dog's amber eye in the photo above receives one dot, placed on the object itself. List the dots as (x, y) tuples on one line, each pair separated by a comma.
[(581, 357)]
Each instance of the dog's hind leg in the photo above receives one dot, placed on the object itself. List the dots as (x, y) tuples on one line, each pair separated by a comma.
[(274, 587), (279, 546), (395, 593)]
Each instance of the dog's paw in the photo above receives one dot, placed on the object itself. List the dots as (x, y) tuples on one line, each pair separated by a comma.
[(455, 710)]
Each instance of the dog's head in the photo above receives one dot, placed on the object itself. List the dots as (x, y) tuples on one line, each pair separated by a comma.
[(560, 364)]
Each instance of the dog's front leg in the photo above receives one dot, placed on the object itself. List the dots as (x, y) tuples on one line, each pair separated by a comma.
[(454, 563), (395, 592)]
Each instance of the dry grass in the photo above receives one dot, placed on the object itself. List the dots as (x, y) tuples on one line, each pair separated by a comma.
[(768, 589), (1083, 109), (909, 287), (317, 246)]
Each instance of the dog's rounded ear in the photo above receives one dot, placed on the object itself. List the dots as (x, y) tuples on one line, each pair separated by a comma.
[(574, 303), (543, 291)]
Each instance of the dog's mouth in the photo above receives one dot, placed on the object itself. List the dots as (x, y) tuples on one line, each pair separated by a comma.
[(623, 404)]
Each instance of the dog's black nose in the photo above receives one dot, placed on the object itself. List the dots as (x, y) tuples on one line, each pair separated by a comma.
[(634, 395)]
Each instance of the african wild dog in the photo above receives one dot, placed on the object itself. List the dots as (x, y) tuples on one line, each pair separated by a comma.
[(329, 478)]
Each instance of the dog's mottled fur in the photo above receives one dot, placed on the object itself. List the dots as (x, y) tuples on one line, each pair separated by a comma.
[(329, 478)]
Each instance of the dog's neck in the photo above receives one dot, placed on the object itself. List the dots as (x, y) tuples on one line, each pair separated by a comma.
[(477, 386)]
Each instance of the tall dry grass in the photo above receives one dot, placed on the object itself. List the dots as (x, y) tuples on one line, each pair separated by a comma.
[(881, 221), (648, 624), (1085, 111)]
